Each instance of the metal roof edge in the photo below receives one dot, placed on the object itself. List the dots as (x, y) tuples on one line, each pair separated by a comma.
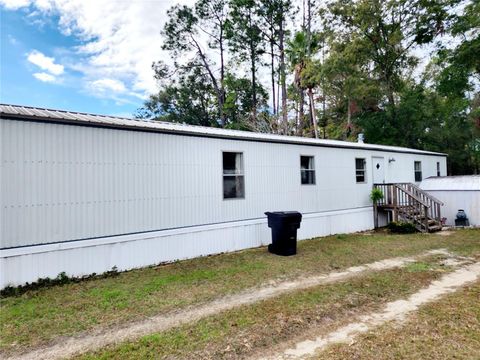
[(106, 121)]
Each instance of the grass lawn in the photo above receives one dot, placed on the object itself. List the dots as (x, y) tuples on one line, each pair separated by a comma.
[(39, 316), (447, 329), (252, 329)]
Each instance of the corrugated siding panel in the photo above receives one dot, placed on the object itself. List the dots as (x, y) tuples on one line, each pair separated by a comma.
[(65, 182), (469, 201)]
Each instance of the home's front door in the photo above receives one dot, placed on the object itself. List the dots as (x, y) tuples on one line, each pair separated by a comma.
[(378, 164)]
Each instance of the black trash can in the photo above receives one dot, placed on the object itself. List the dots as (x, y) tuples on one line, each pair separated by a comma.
[(284, 225)]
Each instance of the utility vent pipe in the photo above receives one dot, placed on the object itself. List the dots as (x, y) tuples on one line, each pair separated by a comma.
[(361, 137)]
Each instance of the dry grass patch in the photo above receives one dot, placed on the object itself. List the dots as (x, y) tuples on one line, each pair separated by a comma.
[(39, 316), (447, 329), (241, 332)]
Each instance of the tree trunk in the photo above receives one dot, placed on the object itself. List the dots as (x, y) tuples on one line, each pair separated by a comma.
[(390, 95), (218, 89), (349, 117), (302, 109), (324, 96), (312, 113), (298, 121), (278, 92), (254, 82), (349, 113), (281, 39), (391, 101), (272, 70), (309, 27), (253, 58), (223, 118)]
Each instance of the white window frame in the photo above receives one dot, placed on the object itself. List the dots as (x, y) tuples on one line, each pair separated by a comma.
[(240, 174), (364, 170), (312, 170)]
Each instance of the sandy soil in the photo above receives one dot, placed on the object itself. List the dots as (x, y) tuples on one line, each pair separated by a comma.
[(444, 233), (393, 311)]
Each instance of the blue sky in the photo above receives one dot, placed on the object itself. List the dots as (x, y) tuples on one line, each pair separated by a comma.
[(79, 55), (19, 37)]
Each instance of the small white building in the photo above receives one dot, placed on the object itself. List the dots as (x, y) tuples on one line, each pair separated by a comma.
[(456, 192), (83, 193)]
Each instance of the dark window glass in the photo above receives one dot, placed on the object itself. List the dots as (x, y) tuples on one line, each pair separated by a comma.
[(233, 177), (233, 187), (438, 169), (360, 170), (307, 170), (232, 163), (418, 171)]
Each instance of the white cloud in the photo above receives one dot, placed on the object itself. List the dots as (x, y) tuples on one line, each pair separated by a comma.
[(45, 77), (122, 39), (119, 40), (45, 62), (106, 85), (17, 4), (14, 4)]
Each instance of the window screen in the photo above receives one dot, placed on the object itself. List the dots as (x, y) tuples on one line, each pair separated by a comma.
[(307, 170), (360, 170), (418, 171), (233, 177)]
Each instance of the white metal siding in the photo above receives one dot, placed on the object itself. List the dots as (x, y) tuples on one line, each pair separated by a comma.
[(65, 182)]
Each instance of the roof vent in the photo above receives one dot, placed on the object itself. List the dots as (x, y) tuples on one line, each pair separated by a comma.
[(361, 137)]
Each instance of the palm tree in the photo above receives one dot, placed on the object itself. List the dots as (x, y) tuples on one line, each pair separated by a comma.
[(298, 53)]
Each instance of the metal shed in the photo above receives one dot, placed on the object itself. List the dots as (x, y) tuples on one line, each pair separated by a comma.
[(456, 192)]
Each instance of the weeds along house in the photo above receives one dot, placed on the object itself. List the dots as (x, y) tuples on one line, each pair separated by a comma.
[(83, 193)]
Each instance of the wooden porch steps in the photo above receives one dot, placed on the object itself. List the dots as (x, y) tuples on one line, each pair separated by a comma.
[(407, 202)]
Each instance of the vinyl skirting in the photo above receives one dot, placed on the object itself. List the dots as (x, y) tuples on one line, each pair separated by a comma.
[(125, 252)]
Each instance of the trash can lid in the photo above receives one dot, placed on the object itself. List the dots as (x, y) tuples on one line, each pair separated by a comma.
[(283, 213)]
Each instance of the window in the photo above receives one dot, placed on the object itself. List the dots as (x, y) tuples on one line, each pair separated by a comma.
[(418, 171), (307, 170), (438, 168), (233, 177), (361, 170)]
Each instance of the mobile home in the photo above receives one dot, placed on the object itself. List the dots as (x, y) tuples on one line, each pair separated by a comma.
[(83, 193)]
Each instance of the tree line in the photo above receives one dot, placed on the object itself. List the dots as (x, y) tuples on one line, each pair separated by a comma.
[(330, 69)]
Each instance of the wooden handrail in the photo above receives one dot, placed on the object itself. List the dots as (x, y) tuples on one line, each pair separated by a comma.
[(412, 195), (433, 198), (410, 202), (427, 194)]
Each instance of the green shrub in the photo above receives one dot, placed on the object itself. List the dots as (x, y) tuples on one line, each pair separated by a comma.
[(400, 227), (376, 195)]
